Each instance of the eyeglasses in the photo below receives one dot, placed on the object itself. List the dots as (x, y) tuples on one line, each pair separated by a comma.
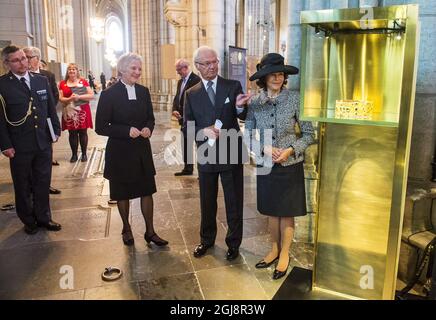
[(208, 64), (30, 57), (17, 60)]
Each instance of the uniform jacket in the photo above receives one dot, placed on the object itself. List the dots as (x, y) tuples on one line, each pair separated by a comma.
[(126, 158), (34, 133)]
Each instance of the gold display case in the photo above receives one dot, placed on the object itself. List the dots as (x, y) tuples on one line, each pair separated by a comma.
[(358, 80)]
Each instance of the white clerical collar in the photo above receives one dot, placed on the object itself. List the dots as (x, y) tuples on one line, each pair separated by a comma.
[(205, 82), (131, 92)]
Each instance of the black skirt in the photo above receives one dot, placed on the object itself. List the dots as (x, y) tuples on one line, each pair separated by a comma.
[(132, 190), (282, 193)]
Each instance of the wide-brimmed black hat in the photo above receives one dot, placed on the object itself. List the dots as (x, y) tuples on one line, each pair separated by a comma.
[(272, 63)]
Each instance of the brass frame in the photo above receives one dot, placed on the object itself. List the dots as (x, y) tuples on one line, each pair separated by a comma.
[(402, 129)]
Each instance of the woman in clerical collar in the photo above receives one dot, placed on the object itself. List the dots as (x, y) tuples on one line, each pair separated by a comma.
[(125, 115)]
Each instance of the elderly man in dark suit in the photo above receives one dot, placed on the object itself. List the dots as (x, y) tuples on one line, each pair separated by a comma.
[(26, 137), (215, 98), (188, 79), (33, 54)]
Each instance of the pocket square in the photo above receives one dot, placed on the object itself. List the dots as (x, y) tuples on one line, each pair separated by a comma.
[(227, 100)]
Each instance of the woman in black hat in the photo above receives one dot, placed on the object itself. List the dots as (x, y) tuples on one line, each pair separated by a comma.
[(274, 112)]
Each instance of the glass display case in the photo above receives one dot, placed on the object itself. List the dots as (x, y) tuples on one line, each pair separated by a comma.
[(358, 80)]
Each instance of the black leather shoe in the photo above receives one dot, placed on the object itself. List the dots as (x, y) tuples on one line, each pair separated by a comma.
[(280, 274), (183, 173), (232, 254), (84, 158), (128, 239), (30, 228), (51, 226), (156, 240), (262, 264), (54, 163), (73, 158), (201, 250), (54, 191)]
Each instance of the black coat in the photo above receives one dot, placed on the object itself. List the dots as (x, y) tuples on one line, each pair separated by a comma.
[(34, 133), (127, 159), (52, 82), (179, 103), (198, 108)]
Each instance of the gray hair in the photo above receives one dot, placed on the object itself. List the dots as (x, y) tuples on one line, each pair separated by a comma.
[(201, 50), (126, 59), (34, 51)]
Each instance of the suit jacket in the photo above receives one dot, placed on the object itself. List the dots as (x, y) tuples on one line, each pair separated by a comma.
[(52, 81), (126, 158), (199, 109), (33, 134), (179, 99)]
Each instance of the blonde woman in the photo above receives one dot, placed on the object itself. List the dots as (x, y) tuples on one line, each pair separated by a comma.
[(75, 94)]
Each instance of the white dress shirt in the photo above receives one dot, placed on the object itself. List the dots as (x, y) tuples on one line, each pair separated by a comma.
[(26, 77), (215, 81)]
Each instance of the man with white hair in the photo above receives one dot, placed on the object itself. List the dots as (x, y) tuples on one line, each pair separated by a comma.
[(213, 105), (33, 55), (187, 80)]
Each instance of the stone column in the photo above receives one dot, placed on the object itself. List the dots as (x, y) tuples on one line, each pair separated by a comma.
[(257, 23), (149, 32), (424, 124), (81, 41), (177, 14), (294, 40)]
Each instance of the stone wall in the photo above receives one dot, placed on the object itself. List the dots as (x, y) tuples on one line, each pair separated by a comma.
[(13, 22)]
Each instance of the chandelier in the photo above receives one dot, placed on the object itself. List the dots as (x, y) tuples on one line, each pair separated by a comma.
[(96, 29)]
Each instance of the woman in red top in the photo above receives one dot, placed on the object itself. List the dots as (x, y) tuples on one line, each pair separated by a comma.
[(75, 95)]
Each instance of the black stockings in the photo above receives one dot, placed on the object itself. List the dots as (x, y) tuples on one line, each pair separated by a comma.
[(75, 137)]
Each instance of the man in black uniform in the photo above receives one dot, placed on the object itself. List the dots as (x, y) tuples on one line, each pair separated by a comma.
[(25, 138), (33, 55), (187, 80)]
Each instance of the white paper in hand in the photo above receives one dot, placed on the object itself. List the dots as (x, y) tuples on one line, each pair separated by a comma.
[(218, 125)]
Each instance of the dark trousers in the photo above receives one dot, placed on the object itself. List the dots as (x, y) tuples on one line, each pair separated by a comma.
[(187, 150), (31, 175), (233, 187)]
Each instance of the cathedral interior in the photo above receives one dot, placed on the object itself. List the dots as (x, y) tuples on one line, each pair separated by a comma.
[(93, 34)]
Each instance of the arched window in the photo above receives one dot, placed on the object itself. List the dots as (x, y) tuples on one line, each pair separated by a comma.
[(114, 34)]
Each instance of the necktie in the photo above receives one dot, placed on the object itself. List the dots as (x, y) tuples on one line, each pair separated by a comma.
[(23, 81), (210, 92)]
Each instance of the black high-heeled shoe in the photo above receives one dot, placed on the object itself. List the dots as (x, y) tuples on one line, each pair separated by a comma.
[(128, 237), (262, 264), (155, 239), (280, 274), (73, 158)]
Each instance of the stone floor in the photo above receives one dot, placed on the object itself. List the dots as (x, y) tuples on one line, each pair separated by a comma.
[(32, 267)]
